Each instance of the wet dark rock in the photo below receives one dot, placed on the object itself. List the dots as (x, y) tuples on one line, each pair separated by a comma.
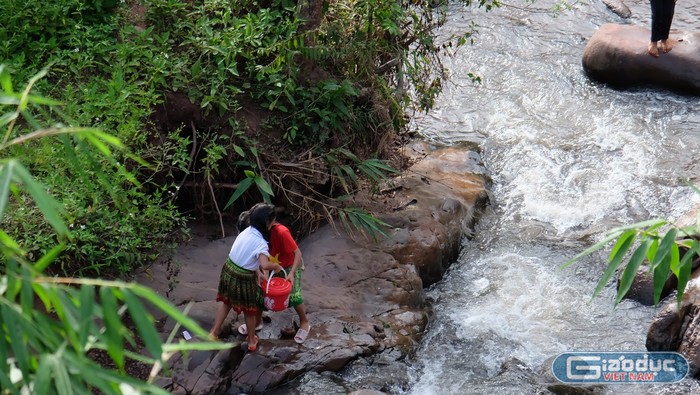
[(677, 328), (642, 288), (617, 55), (619, 8)]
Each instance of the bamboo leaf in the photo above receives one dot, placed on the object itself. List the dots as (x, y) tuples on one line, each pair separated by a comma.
[(263, 186), (13, 285), (143, 322), (66, 311), (40, 291), (615, 259), (50, 256), (103, 378), (595, 247), (166, 307), (97, 143), (661, 272), (42, 379), (7, 118), (668, 241), (6, 384), (203, 346), (10, 246), (5, 80), (63, 384), (5, 178), (113, 326), (48, 205), (106, 137), (26, 295), (16, 337), (684, 270), (4, 351), (87, 307), (240, 190), (631, 269)]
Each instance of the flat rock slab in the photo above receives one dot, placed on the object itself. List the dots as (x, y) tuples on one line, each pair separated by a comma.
[(617, 55)]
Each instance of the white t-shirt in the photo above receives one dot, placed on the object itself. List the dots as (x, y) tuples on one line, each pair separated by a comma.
[(247, 247)]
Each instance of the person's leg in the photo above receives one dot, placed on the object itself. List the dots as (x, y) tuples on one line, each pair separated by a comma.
[(667, 12), (221, 315), (303, 319), (656, 26), (252, 338)]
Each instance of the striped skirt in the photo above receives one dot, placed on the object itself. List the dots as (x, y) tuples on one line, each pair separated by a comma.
[(238, 288)]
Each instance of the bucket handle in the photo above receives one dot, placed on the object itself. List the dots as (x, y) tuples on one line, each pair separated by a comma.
[(272, 274)]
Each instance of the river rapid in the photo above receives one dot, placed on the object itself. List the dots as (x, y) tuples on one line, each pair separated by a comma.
[(569, 159)]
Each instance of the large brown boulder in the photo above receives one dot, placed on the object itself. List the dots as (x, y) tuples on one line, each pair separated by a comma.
[(617, 55)]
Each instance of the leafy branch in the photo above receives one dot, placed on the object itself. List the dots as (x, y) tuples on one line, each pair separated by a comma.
[(53, 326), (667, 248)]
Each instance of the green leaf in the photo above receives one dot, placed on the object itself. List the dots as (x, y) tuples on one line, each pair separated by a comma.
[(25, 94), (143, 322), (5, 178), (166, 307), (684, 269), (48, 206), (668, 241), (66, 312), (5, 80), (50, 256), (240, 190), (239, 150), (661, 272), (263, 186), (113, 326), (7, 385), (7, 118), (615, 259), (631, 269), (42, 379), (26, 294), (63, 384), (203, 346), (16, 337), (595, 247), (86, 313), (43, 295)]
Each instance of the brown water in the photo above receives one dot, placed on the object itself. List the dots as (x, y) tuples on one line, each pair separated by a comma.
[(570, 159)]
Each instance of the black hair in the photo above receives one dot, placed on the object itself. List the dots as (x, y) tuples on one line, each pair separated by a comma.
[(260, 216), (243, 220)]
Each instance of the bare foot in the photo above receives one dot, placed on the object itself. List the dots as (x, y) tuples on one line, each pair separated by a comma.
[(667, 45), (653, 49)]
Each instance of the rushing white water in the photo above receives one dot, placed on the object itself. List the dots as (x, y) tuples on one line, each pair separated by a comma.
[(569, 159)]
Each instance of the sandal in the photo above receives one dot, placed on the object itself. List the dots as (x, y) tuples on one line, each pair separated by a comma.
[(254, 347), (243, 330), (302, 334)]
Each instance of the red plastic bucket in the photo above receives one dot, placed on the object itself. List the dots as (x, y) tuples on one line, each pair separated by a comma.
[(277, 293)]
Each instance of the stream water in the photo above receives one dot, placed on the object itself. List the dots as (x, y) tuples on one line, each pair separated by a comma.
[(569, 159)]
